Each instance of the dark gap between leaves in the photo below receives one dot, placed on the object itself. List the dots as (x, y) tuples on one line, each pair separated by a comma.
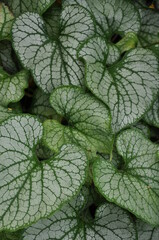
[(64, 122), (116, 38), (92, 210)]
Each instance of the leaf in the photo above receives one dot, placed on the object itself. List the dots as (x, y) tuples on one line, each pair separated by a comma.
[(52, 21), (11, 235), (152, 116), (135, 187), (30, 189), (12, 86), (128, 86), (88, 121), (111, 16), (20, 6), (53, 62), (6, 21), (111, 222), (6, 58), (146, 231), (6, 113), (149, 32), (41, 106), (144, 128)]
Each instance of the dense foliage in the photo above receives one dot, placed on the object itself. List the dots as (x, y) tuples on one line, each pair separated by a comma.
[(79, 120)]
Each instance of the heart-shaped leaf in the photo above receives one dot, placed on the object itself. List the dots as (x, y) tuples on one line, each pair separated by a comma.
[(88, 121), (152, 116), (7, 112), (20, 6), (72, 222), (6, 21), (111, 16), (53, 62), (128, 86), (30, 189), (146, 231), (136, 185), (12, 86)]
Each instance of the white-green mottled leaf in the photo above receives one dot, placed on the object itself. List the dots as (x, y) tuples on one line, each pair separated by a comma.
[(149, 32), (152, 116), (146, 231), (53, 62), (135, 187), (143, 128), (6, 21), (111, 16), (6, 58), (30, 189), (111, 222), (12, 86), (88, 121), (41, 106), (20, 6), (128, 87)]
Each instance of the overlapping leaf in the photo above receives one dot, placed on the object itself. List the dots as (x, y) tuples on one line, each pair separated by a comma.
[(149, 32), (20, 6), (146, 231), (12, 86), (127, 86), (30, 189), (11, 235), (53, 62), (6, 21), (111, 222), (41, 106), (6, 59), (111, 16), (152, 116), (136, 185), (88, 121), (6, 112)]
